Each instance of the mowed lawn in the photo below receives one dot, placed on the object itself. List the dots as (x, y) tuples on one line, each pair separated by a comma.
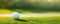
[(31, 20)]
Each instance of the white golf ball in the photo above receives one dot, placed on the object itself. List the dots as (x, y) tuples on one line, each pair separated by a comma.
[(15, 15)]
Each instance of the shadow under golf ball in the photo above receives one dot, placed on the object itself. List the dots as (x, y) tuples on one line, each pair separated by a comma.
[(21, 20)]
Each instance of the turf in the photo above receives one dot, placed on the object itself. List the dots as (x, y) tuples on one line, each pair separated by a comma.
[(30, 20)]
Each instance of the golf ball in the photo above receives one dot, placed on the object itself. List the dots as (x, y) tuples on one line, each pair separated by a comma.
[(15, 15)]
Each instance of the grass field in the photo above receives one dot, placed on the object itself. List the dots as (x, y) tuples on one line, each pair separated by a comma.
[(31, 20)]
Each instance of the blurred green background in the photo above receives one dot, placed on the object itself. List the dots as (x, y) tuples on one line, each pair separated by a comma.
[(37, 6), (32, 7)]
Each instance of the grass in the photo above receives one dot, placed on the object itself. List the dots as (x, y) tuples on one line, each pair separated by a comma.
[(28, 20), (31, 20)]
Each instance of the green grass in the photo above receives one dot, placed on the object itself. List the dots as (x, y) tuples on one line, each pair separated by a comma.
[(31, 20)]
